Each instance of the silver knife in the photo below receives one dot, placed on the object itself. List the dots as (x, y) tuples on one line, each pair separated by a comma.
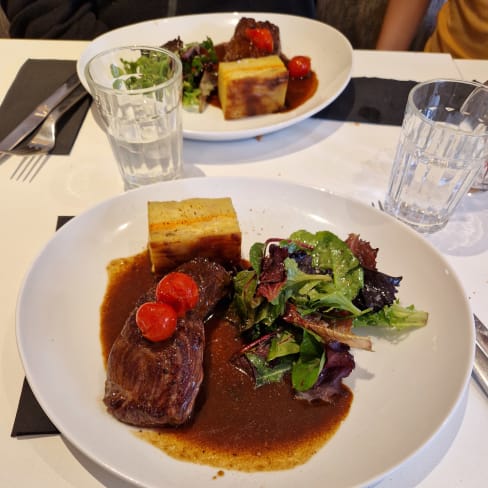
[(35, 118), (481, 335), (480, 368)]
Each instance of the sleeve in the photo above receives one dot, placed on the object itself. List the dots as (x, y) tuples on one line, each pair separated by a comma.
[(53, 19), (76, 19), (305, 8)]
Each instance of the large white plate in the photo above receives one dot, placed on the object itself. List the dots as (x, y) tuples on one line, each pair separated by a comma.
[(330, 51), (403, 392)]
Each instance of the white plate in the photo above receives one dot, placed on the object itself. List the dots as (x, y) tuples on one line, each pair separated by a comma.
[(330, 51), (394, 411)]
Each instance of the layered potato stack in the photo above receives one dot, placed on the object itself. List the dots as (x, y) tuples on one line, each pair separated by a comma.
[(252, 86), (181, 230)]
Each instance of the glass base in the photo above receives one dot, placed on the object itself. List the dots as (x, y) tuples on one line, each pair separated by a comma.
[(417, 219)]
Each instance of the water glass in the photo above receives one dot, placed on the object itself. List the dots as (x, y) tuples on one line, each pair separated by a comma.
[(442, 148), (481, 181), (138, 91)]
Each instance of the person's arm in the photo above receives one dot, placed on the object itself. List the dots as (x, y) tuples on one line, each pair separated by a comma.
[(53, 19), (400, 24)]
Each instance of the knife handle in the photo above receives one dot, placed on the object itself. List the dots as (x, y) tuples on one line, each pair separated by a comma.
[(480, 369), (59, 110), (38, 115), (57, 97)]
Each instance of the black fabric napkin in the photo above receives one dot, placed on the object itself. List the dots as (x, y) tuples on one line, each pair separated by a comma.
[(30, 419), (370, 100), (35, 81)]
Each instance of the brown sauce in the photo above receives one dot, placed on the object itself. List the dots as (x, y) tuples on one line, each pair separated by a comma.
[(234, 426), (300, 90), (128, 278)]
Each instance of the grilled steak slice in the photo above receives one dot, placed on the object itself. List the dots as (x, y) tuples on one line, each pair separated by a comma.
[(240, 47), (151, 384)]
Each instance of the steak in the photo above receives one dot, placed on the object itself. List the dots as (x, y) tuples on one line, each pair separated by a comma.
[(240, 47), (152, 384)]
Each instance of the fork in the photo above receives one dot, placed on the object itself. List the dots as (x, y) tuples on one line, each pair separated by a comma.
[(44, 139)]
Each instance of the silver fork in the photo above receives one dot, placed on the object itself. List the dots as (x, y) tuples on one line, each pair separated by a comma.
[(44, 139)]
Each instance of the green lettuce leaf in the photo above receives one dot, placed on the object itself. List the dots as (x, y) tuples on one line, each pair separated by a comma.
[(311, 292), (264, 373), (395, 316), (256, 254), (311, 360), (283, 344), (332, 253)]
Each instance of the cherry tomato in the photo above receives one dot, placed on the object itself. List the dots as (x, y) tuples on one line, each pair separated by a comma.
[(178, 290), (261, 38), (299, 66), (157, 321)]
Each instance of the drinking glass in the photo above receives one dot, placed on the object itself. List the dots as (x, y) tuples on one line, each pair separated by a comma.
[(442, 148), (481, 180), (138, 91)]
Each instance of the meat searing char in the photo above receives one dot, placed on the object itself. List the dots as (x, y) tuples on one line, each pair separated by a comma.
[(151, 384), (240, 47)]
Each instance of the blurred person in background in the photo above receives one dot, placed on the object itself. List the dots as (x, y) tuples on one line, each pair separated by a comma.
[(461, 28), (86, 19), (361, 21), (4, 25)]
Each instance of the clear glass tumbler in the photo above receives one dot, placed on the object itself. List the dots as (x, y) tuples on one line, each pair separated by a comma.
[(443, 145), (481, 180), (138, 91)]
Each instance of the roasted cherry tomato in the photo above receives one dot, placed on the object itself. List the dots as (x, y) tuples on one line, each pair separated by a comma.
[(157, 321), (178, 290), (299, 66), (261, 38)]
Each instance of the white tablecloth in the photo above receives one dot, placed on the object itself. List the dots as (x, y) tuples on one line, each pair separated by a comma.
[(348, 158)]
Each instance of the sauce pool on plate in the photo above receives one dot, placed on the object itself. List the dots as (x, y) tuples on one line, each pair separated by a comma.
[(234, 426)]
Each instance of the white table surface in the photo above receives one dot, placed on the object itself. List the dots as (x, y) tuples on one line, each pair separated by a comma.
[(348, 158)]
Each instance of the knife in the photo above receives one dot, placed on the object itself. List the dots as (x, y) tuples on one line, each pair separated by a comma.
[(480, 368), (481, 335), (36, 117)]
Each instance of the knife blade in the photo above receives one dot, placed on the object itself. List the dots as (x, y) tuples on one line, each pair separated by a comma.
[(36, 117)]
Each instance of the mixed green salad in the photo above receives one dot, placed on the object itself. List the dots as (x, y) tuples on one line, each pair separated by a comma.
[(298, 302), (200, 71), (150, 69)]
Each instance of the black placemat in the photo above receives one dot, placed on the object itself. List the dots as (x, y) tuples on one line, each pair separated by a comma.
[(30, 419), (370, 100), (34, 82)]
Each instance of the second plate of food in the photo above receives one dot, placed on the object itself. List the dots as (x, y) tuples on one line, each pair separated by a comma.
[(329, 50)]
